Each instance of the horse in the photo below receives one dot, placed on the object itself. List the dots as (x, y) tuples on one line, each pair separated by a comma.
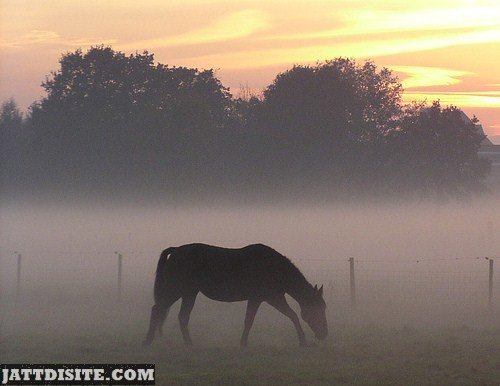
[(255, 273)]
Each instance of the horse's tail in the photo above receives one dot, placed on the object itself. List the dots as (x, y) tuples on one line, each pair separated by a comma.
[(160, 279)]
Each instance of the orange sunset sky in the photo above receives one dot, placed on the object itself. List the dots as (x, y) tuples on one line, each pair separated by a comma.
[(440, 49)]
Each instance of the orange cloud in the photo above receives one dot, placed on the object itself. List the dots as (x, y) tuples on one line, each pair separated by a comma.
[(41, 37), (233, 26), (429, 76), (32, 37), (490, 99), (243, 57)]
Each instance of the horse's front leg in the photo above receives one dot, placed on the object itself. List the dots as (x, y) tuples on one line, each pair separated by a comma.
[(279, 302), (184, 314)]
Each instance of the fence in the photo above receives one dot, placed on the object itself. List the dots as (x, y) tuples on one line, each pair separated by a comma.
[(430, 280), (354, 282)]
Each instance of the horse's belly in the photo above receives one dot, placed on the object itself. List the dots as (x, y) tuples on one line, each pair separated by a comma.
[(224, 297), (229, 291)]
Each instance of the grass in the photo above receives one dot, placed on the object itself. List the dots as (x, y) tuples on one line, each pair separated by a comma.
[(355, 354)]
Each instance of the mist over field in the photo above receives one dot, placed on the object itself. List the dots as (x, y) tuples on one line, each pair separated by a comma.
[(420, 271), (314, 236)]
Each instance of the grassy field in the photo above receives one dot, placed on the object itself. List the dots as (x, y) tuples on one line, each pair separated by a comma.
[(356, 353)]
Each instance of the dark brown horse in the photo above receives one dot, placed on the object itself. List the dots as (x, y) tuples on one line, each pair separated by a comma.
[(256, 273)]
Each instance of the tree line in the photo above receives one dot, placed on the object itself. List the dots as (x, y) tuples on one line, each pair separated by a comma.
[(123, 123)]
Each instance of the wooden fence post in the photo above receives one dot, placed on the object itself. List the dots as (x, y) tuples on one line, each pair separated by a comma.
[(120, 258), (352, 281), (490, 286)]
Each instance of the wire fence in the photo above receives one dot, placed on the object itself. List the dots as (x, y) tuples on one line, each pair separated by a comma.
[(462, 282)]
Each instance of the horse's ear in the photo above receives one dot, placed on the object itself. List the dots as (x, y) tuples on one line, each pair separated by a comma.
[(316, 287), (321, 290)]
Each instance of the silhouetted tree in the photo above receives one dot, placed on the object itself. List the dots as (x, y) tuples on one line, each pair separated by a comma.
[(13, 141), (11, 117), (121, 116), (338, 99), (105, 86), (328, 121), (109, 119), (345, 124), (435, 150)]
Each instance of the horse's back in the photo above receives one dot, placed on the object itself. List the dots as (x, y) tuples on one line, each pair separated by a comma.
[(195, 253), (227, 274)]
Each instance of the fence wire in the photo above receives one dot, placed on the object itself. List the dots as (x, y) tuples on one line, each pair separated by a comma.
[(461, 281)]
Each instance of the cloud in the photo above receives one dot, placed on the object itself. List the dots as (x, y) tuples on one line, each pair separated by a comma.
[(455, 17), (361, 20), (488, 99), (309, 52), (42, 37), (429, 76), (31, 38), (230, 27), (379, 29)]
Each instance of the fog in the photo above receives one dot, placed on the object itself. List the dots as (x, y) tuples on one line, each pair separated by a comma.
[(420, 270), (406, 255)]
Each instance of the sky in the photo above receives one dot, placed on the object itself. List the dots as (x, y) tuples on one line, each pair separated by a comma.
[(440, 49)]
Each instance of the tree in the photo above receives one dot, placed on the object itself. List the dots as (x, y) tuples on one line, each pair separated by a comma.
[(116, 116), (12, 141), (330, 120), (344, 124), (112, 120), (11, 117), (107, 87), (338, 99), (435, 150)]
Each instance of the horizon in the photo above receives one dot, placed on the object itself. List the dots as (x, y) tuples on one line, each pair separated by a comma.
[(439, 50)]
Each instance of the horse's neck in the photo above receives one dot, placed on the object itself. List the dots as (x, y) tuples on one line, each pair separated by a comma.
[(299, 288)]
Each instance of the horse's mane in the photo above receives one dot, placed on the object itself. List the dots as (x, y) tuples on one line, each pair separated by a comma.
[(294, 271)]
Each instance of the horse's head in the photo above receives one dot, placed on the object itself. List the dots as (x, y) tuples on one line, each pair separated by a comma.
[(313, 313)]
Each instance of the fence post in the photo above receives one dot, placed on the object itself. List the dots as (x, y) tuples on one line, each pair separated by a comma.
[(18, 282), (490, 237), (490, 286), (352, 282), (120, 258)]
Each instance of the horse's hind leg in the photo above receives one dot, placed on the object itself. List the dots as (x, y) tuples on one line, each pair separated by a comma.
[(155, 321), (161, 321), (252, 307), (184, 314), (158, 314)]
